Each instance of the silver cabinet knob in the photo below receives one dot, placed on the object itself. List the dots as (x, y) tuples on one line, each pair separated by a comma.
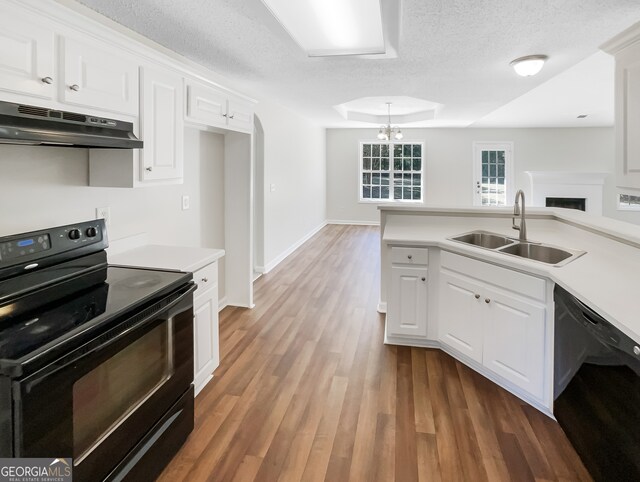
[(47, 80), (75, 87), (636, 350), (487, 300), (477, 296), (149, 168), (224, 115), (231, 116), (409, 256), (205, 280), (423, 278)]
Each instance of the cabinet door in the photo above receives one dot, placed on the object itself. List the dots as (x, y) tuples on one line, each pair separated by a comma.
[(514, 341), (206, 350), (162, 125), (407, 310), (96, 77), (26, 57), (239, 115), (627, 115), (206, 105), (460, 315)]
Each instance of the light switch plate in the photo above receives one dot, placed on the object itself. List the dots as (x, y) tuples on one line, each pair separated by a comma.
[(185, 203)]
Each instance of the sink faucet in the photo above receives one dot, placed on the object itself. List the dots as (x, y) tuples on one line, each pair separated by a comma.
[(517, 211)]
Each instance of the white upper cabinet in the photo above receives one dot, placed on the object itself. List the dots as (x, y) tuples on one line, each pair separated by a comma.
[(626, 49), (26, 57), (98, 77), (162, 124), (213, 107)]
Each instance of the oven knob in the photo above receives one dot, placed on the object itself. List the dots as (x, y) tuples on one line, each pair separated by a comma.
[(91, 232), (74, 234)]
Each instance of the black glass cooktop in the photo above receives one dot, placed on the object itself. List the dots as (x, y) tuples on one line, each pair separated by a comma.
[(96, 301)]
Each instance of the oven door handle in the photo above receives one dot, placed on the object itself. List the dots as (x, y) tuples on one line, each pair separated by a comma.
[(106, 340)]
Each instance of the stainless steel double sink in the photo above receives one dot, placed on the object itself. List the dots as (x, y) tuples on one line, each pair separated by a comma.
[(543, 253)]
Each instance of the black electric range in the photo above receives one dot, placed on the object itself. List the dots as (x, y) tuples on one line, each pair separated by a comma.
[(96, 361)]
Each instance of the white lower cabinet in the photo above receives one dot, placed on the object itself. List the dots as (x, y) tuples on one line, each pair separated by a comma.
[(407, 306), (206, 343), (460, 323), (496, 324), (514, 333), (407, 312)]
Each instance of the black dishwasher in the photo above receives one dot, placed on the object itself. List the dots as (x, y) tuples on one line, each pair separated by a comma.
[(597, 390)]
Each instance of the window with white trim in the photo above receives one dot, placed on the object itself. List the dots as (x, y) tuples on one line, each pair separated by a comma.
[(391, 171), (493, 173)]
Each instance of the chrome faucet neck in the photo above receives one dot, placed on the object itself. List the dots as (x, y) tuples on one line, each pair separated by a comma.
[(519, 211)]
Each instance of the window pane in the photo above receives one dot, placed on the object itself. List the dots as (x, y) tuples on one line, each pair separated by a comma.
[(366, 163), (376, 150), (406, 152), (406, 164), (385, 150), (417, 150), (492, 156), (375, 192), (385, 192), (501, 156), (384, 179), (416, 193), (485, 157), (375, 164), (397, 150), (406, 193), (397, 164), (485, 169), (417, 164), (397, 193), (501, 170), (417, 179), (366, 150), (375, 178), (366, 178), (385, 163), (492, 170), (366, 192), (407, 179)]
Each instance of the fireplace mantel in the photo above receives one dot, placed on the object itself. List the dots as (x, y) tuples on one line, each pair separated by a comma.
[(571, 184)]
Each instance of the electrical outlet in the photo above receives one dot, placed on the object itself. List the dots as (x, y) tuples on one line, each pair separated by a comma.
[(185, 203), (104, 213)]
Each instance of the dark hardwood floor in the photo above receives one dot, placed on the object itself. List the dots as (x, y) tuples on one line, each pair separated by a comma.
[(306, 390)]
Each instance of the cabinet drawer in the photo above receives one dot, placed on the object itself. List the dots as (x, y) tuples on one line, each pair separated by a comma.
[(403, 255), (206, 277), (504, 278)]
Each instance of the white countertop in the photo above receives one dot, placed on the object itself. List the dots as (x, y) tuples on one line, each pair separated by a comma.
[(605, 278), (167, 257)]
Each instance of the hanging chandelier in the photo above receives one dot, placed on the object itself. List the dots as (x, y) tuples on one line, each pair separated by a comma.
[(387, 132)]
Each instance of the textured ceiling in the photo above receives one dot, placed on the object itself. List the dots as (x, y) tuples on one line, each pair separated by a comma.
[(453, 52)]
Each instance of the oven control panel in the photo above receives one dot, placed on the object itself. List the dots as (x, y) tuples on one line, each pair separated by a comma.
[(31, 247)]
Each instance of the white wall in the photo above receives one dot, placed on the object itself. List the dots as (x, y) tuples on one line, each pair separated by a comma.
[(448, 161), (42, 187), (294, 161)]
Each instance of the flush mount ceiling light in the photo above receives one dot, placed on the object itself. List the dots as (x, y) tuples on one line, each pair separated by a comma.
[(529, 65), (332, 27), (387, 132)]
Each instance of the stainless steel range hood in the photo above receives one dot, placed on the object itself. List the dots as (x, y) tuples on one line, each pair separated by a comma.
[(31, 125)]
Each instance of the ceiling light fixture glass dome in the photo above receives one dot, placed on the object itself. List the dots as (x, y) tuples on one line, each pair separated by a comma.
[(528, 65)]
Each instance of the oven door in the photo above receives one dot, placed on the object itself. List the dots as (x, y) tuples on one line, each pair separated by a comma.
[(96, 403)]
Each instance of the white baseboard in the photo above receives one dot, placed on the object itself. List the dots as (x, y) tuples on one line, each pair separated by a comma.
[(222, 303), (357, 223), (282, 256)]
